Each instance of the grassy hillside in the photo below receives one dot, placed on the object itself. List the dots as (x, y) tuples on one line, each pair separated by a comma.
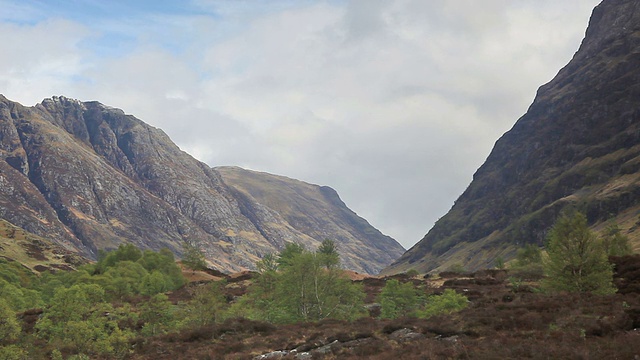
[(34, 252)]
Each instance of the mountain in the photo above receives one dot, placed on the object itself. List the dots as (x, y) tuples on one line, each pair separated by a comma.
[(90, 177), (578, 145), (316, 209)]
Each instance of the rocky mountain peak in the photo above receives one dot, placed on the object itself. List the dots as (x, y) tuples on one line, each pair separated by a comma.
[(91, 177)]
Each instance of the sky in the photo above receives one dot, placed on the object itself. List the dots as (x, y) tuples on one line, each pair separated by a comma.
[(393, 103)]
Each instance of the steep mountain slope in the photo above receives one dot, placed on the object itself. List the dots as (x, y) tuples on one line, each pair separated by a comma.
[(577, 145), (90, 177), (315, 212)]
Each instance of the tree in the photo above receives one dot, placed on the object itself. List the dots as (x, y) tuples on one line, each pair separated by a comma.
[(192, 257), (302, 289), (9, 325), (398, 300), (577, 262), (158, 315), (290, 251), (125, 252), (614, 243), (328, 252), (207, 305), (307, 291)]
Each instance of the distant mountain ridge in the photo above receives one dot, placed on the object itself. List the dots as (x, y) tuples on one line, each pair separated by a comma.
[(89, 177), (578, 146)]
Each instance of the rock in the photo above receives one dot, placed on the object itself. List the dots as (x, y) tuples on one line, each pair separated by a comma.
[(403, 335), (272, 355)]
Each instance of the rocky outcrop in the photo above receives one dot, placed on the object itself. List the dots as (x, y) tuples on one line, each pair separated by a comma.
[(578, 146), (90, 177)]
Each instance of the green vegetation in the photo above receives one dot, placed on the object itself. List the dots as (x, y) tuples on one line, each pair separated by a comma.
[(399, 300), (97, 311), (299, 285), (457, 268), (192, 257), (577, 261), (528, 263), (614, 243), (404, 300), (90, 312), (447, 303)]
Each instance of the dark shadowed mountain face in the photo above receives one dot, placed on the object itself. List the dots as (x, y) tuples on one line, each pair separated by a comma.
[(91, 177), (578, 145)]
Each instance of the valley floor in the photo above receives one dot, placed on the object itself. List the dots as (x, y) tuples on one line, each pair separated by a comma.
[(505, 320)]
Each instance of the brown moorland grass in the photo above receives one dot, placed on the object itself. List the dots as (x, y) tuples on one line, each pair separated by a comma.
[(502, 322)]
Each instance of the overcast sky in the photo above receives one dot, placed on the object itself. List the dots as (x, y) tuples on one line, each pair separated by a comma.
[(394, 104)]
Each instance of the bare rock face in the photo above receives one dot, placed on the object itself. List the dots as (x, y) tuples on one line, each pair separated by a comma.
[(90, 177), (578, 146)]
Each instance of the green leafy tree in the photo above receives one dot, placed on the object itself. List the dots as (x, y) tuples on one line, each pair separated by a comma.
[(267, 279), (11, 295), (79, 319), (307, 291), (74, 303), (192, 257), (126, 279), (207, 305), (9, 326), (153, 283), (290, 251), (577, 262), (158, 314), (614, 242), (398, 300), (125, 252), (457, 268), (303, 289)]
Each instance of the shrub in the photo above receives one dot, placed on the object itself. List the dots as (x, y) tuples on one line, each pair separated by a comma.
[(447, 303)]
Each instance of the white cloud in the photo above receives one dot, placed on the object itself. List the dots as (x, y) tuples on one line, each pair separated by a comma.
[(392, 103), (40, 60)]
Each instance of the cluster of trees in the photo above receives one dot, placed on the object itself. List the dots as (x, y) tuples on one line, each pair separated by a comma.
[(298, 285), (92, 311), (576, 259)]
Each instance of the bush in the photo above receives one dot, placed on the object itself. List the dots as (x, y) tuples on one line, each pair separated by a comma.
[(447, 303)]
